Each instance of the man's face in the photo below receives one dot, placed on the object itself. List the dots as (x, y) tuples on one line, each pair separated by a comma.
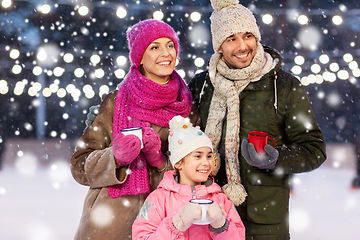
[(238, 50)]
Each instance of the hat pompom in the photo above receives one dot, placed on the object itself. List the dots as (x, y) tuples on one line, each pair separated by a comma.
[(184, 138), (179, 121), (220, 4)]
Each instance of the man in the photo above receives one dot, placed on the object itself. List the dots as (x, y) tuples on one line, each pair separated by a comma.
[(246, 89)]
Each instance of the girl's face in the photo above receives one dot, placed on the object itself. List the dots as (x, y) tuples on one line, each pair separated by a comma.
[(158, 60), (196, 167)]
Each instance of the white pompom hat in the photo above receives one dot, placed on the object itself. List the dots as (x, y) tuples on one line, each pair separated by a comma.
[(184, 138)]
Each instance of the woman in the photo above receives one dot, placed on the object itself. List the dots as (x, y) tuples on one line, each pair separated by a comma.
[(118, 171)]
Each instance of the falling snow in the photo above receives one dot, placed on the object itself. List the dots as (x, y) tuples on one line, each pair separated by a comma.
[(73, 54), (102, 215), (57, 60)]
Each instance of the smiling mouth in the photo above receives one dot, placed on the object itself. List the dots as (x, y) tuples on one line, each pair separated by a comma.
[(203, 171), (242, 55), (165, 63)]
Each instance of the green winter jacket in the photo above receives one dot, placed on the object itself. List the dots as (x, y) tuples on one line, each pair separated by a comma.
[(284, 111)]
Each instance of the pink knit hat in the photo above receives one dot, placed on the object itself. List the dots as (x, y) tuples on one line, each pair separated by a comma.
[(143, 33)]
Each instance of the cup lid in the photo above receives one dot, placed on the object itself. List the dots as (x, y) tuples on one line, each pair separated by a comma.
[(130, 129), (201, 201)]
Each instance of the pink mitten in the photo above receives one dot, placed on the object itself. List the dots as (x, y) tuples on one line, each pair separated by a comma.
[(216, 215), (186, 215), (126, 148), (152, 147)]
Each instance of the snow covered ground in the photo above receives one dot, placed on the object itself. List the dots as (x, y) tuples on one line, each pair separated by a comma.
[(324, 207), (46, 203)]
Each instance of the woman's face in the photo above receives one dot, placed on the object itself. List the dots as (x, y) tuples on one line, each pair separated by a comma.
[(158, 61)]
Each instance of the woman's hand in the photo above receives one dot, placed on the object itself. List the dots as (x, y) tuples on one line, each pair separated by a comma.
[(126, 148), (152, 147)]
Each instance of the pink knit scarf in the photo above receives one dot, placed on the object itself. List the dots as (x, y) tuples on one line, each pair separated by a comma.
[(139, 102)]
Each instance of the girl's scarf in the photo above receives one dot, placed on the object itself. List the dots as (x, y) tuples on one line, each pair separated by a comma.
[(140, 102), (228, 83)]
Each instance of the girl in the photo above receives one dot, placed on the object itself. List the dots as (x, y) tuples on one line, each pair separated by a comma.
[(167, 212), (119, 172)]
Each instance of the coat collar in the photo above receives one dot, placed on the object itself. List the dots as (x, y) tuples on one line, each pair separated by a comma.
[(201, 191)]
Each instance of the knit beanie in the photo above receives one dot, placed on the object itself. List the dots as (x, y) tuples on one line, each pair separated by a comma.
[(228, 18), (184, 138), (143, 33)]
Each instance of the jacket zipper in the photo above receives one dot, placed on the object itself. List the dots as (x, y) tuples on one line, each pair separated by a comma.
[(193, 191), (276, 99)]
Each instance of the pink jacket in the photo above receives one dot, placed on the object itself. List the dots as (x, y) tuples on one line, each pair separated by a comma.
[(155, 218)]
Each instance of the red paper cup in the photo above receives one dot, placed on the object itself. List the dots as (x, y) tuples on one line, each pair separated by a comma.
[(259, 139)]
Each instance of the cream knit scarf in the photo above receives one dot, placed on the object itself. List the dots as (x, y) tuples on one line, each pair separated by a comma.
[(228, 83)]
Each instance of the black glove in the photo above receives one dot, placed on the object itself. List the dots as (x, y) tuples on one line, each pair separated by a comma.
[(90, 117), (262, 161)]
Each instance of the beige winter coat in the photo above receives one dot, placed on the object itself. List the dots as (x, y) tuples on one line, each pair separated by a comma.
[(93, 165)]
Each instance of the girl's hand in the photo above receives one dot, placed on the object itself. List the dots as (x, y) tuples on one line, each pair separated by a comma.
[(217, 215), (186, 215)]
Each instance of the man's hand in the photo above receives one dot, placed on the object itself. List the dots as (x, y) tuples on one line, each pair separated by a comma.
[(262, 161)]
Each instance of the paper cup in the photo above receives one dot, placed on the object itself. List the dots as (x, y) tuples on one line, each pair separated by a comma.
[(204, 203), (137, 131), (260, 139)]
